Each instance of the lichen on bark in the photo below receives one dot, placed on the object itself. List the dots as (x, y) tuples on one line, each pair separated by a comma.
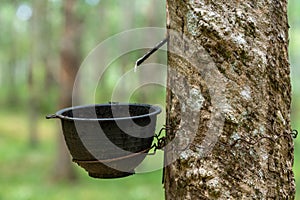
[(246, 41)]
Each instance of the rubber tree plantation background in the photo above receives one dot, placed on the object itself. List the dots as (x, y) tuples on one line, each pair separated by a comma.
[(39, 42)]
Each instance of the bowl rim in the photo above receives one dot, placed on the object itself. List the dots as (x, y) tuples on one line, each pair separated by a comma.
[(59, 114)]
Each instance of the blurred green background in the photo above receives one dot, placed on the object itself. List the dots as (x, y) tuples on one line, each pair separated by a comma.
[(30, 41)]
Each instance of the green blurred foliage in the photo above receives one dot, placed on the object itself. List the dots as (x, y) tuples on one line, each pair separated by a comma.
[(30, 41), (294, 49), (26, 172)]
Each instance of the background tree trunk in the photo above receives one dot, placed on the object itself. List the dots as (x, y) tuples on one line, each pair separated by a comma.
[(39, 53), (10, 71), (70, 62), (250, 156)]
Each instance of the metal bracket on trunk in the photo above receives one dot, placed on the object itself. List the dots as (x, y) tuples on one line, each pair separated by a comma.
[(294, 134)]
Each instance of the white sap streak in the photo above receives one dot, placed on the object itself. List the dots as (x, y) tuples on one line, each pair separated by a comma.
[(135, 68)]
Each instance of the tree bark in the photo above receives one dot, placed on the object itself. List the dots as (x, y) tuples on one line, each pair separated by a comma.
[(228, 98), (70, 62), (38, 53)]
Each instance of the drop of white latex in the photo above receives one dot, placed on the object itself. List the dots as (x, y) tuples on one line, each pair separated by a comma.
[(135, 67)]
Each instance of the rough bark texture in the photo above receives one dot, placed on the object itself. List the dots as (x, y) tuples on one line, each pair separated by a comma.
[(247, 43)]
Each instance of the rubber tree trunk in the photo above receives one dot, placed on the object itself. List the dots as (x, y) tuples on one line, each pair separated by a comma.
[(70, 62), (228, 98), (37, 61)]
